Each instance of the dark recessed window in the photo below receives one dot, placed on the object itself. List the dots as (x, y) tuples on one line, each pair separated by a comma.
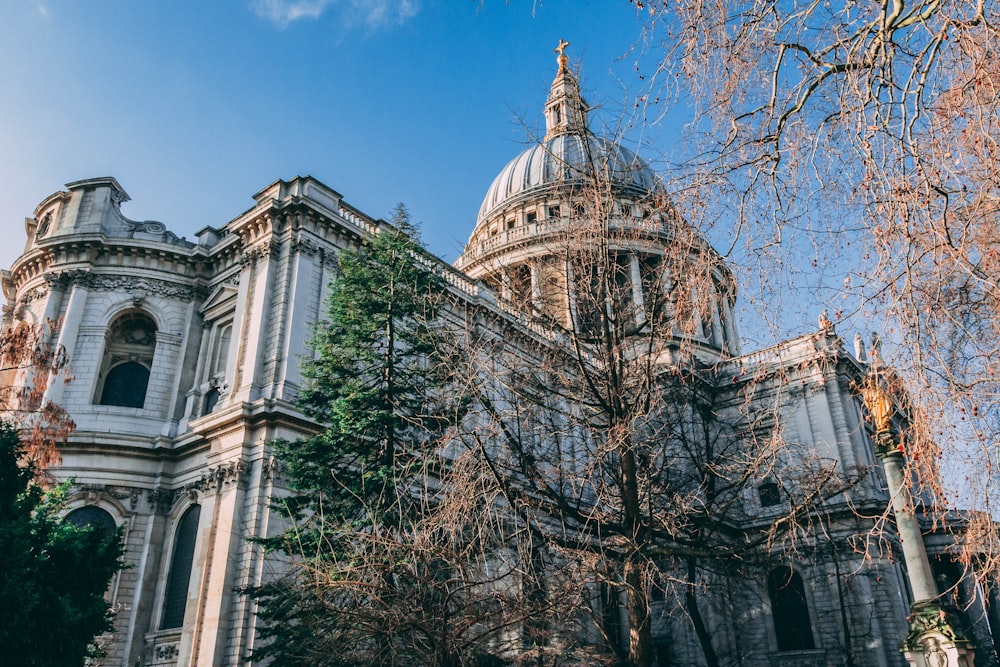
[(532, 217), (770, 494), (179, 578), (125, 385), (128, 357), (792, 627), (553, 211), (211, 400), (93, 517)]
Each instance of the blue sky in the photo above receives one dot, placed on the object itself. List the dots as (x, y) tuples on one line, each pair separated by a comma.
[(195, 106)]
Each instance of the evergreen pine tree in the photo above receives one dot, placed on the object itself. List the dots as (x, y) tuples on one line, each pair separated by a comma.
[(359, 590)]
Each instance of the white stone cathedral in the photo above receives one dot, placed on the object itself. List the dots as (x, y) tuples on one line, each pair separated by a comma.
[(186, 363)]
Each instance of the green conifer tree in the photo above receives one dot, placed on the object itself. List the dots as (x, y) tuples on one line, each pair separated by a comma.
[(53, 574), (374, 383), (369, 582)]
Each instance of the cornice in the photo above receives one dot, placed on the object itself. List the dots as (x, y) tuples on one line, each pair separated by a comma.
[(95, 253)]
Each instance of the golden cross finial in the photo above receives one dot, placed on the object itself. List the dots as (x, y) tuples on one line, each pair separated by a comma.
[(561, 49)]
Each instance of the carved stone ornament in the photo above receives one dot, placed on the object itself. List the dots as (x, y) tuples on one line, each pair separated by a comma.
[(165, 651), (155, 228), (272, 469), (117, 197), (212, 480), (130, 494), (161, 500), (306, 246), (146, 227), (43, 225), (33, 294), (223, 476), (263, 250), (934, 655), (928, 617), (133, 285)]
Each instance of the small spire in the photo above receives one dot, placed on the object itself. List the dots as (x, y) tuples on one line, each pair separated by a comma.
[(565, 110)]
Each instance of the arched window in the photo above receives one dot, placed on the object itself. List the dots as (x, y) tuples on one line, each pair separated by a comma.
[(125, 385), (221, 353), (790, 611), (94, 517), (128, 357), (217, 365), (179, 576)]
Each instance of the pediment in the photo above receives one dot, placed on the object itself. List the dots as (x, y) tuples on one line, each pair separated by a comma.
[(221, 301)]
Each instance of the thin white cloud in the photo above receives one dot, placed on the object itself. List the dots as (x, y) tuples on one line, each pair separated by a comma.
[(41, 8), (382, 13), (373, 14)]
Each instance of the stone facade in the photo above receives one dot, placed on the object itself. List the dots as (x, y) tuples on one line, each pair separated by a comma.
[(214, 330)]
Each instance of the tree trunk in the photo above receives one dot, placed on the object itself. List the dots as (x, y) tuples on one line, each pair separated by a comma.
[(640, 636), (691, 601)]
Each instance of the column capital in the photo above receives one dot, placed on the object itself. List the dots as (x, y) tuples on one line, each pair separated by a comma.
[(936, 637)]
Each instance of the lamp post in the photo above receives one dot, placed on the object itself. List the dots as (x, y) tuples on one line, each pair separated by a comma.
[(935, 638)]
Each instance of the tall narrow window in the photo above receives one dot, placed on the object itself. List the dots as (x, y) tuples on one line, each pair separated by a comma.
[(792, 626), (612, 617), (179, 577), (653, 298), (220, 356), (128, 358), (520, 286), (217, 367)]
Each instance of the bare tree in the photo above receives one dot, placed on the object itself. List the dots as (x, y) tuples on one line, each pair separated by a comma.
[(612, 426), (28, 364), (871, 132), (395, 551)]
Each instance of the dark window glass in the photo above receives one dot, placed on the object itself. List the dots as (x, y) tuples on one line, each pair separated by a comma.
[(792, 626), (770, 495), (94, 517), (211, 400), (179, 578), (130, 345), (612, 620), (948, 575), (126, 385), (532, 218)]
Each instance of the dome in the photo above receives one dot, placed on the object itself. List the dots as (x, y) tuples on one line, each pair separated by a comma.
[(577, 224), (567, 159)]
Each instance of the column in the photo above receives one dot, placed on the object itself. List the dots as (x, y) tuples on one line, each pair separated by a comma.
[(638, 302), (67, 336)]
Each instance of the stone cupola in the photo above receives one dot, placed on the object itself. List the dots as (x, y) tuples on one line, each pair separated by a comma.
[(565, 109), (575, 191)]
